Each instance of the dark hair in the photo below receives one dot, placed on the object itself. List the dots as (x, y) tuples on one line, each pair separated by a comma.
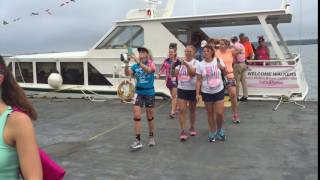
[(173, 46), (13, 95), (234, 39), (210, 48), (260, 38)]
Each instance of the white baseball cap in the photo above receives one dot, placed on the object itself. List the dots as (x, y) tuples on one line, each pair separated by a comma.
[(203, 43)]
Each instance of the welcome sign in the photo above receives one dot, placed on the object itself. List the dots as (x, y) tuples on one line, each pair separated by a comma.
[(272, 77)]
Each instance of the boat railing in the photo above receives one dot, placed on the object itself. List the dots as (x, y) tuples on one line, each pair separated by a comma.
[(277, 62)]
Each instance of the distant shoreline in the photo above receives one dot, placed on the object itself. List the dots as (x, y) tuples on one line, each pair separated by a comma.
[(295, 42)]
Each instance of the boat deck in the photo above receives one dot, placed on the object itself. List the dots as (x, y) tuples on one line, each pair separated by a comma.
[(91, 141)]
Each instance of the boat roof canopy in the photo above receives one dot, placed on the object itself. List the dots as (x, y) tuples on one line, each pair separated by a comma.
[(219, 20)]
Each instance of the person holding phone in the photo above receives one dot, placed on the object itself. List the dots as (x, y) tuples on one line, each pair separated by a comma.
[(143, 70)]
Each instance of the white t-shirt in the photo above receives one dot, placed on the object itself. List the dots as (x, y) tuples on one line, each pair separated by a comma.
[(211, 76), (185, 82)]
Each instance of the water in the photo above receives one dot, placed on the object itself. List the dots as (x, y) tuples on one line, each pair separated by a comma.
[(309, 57)]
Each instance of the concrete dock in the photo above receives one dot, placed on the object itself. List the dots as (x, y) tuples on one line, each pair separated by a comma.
[(91, 141)]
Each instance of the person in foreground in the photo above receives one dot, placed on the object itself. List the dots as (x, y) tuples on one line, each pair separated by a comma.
[(225, 54), (186, 72), (18, 146), (210, 85), (143, 70)]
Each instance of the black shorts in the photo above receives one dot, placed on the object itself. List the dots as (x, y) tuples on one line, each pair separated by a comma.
[(213, 97), (144, 101), (188, 95)]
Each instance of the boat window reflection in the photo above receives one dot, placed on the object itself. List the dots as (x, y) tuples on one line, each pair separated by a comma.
[(24, 72), (44, 69), (96, 78), (72, 73), (123, 37)]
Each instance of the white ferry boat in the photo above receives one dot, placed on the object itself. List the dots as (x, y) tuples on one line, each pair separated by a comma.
[(100, 69)]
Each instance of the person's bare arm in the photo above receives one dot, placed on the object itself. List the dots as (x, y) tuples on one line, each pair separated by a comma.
[(23, 135), (146, 68), (198, 87), (191, 70)]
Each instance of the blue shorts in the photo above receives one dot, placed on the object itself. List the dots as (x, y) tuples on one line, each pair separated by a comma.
[(144, 101), (213, 97), (188, 95)]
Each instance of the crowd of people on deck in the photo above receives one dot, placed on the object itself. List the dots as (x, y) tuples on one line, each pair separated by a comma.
[(207, 69)]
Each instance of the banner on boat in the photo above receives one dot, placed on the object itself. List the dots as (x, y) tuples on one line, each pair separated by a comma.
[(272, 77)]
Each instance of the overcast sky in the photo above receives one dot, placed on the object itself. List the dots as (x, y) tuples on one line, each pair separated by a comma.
[(78, 26)]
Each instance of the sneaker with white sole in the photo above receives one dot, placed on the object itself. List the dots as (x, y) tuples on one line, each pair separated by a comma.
[(152, 142), (136, 145), (211, 137), (221, 135)]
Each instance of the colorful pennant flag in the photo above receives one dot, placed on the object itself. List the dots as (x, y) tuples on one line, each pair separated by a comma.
[(48, 11)]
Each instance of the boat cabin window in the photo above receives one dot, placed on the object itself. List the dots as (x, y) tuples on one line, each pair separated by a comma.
[(44, 69), (96, 78), (72, 73), (122, 37), (24, 72)]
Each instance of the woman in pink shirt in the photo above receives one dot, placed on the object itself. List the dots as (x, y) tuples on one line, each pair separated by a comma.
[(262, 51), (225, 54), (168, 68)]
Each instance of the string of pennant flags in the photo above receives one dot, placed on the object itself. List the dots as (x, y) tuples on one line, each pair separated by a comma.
[(47, 11)]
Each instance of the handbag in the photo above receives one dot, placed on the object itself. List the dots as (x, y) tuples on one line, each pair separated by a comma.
[(224, 79), (50, 169)]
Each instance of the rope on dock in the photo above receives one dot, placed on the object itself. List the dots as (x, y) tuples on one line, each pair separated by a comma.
[(286, 100)]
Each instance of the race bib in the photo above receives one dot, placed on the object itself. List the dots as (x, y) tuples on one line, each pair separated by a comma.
[(212, 77), (214, 82), (184, 78), (174, 80)]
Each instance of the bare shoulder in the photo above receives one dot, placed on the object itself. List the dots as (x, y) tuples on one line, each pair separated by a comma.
[(19, 121)]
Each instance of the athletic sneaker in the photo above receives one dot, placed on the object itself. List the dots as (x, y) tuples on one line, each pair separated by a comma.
[(152, 142), (220, 135), (236, 119), (136, 145), (172, 115), (192, 132), (244, 99), (183, 136), (211, 137)]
